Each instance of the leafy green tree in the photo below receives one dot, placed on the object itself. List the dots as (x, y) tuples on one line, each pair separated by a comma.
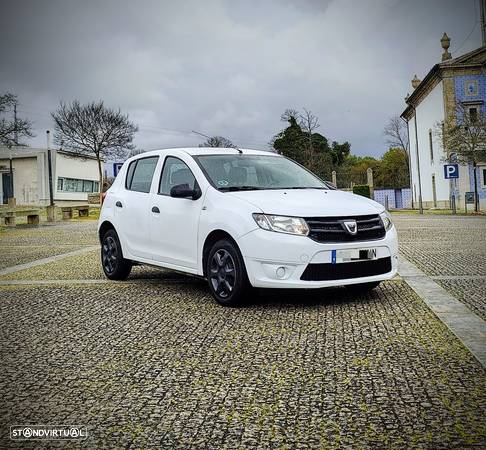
[(300, 142), (393, 169)]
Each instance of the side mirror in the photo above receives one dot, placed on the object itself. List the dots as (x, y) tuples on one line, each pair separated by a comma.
[(184, 191)]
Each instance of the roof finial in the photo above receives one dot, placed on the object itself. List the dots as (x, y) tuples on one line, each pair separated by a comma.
[(445, 42), (415, 81)]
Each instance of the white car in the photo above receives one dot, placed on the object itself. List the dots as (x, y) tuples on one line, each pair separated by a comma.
[(242, 218)]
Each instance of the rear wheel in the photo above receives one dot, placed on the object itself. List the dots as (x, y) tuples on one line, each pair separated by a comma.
[(226, 273), (115, 266), (362, 287)]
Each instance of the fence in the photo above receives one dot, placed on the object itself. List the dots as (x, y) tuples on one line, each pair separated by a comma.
[(347, 178), (394, 198)]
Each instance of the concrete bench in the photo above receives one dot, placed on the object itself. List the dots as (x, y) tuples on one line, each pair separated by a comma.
[(9, 215), (67, 211)]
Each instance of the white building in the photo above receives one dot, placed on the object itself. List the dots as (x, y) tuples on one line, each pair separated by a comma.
[(73, 177), (459, 80)]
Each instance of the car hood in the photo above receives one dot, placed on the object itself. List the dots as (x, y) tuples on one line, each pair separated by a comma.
[(309, 202)]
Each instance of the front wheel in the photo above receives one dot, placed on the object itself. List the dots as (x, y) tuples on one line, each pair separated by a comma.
[(115, 266), (225, 269)]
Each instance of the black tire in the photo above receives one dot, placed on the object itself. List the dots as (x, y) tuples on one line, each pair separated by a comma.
[(226, 273), (115, 266), (362, 288)]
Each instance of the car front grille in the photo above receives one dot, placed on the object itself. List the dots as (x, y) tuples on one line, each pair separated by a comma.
[(332, 229), (342, 271)]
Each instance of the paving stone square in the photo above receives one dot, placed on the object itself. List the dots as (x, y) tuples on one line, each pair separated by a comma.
[(154, 362)]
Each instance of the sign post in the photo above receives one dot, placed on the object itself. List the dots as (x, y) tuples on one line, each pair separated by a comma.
[(468, 199), (451, 172)]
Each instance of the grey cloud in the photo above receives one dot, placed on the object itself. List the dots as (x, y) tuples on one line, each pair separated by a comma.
[(228, 67)]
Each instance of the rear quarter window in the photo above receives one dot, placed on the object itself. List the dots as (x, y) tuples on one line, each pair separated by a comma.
[(140, 173)]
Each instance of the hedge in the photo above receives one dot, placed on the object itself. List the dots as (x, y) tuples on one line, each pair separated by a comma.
[(362, 189)]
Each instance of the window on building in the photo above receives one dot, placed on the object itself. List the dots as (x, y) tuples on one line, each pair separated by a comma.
[(431, 146), (76, 185), (483, 178), (473, 114), (140, 173)]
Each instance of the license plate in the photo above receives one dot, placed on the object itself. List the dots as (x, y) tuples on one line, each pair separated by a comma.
[(353, 254)]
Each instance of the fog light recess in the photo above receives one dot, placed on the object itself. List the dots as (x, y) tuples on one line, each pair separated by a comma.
[(280, 272)]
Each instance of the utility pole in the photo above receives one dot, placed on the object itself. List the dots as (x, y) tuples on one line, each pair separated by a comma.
[(11, 198), (421, 207), (50, 208), (482, 7)]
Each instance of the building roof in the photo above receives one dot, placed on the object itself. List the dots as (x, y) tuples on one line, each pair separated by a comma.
[(473, 59), (25, 152)]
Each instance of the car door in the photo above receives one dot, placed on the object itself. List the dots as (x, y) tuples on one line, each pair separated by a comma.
[(174, 221), (132, 207)]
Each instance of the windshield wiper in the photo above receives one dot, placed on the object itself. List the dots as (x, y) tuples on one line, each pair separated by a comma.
[(240, 188), (303, 187)]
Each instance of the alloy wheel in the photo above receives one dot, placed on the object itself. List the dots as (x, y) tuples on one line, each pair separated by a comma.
[(222, 273), (109, 254)]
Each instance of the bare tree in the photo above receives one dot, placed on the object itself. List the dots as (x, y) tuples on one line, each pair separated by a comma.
[(395, 132), (218, 141), (288, 114), (463, 137), (12, 128), (308, 123), (93, 130)]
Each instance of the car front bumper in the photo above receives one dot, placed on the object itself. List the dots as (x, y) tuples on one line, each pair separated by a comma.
[(278, 260)]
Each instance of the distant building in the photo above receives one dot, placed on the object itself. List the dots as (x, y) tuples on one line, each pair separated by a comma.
[(73, 177), (462, 79)]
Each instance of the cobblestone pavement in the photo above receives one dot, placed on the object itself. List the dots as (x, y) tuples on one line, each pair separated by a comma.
[(155, 362), (452, 250), (24, 244)]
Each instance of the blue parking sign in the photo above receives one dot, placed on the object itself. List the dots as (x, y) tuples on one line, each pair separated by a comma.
[(451, 171), (116, 168)]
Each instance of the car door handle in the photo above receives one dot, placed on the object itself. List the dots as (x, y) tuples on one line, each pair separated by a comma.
[(119, 204), (155, 210)]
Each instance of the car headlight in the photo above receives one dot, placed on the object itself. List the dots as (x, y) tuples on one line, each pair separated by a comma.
[(386, 219), (282, 224)]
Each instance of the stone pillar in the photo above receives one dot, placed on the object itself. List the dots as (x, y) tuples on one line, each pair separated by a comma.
[(334, 178), (369, 180), (51, 213), (12, 202)]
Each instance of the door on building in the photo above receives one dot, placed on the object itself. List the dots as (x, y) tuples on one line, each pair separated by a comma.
[(6, 187), (398, 199)]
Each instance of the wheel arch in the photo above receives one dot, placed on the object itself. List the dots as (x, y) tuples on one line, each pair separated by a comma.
[(210, 240), (104, 227)]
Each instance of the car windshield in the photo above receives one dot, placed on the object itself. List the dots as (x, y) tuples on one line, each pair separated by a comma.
[(256, 172)]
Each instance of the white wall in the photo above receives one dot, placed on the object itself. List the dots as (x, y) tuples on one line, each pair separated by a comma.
[(84, 169), (25, 179), (428, 113)]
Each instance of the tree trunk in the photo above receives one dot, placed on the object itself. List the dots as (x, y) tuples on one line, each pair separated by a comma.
[(100, 174), (476, 199)]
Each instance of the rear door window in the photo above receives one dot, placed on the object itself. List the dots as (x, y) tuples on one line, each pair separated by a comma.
[(140, 173)]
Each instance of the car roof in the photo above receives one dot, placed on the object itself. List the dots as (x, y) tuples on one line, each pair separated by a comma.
[(194, 151)]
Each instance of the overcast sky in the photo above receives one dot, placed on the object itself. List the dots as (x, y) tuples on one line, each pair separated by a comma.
[(228, 67)]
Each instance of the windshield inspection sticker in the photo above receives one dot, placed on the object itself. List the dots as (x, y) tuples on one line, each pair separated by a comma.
[(223, 183)]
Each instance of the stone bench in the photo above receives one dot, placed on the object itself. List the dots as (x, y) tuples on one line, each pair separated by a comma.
[(67, 211), (9, 215)]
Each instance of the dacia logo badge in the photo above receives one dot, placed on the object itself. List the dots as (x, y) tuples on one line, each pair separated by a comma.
[(351, 226)]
